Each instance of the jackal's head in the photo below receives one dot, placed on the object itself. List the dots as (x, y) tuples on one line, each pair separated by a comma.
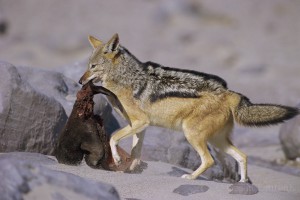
[(102, 59)]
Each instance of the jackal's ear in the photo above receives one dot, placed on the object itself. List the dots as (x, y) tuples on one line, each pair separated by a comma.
[(112, 46), (95, 42)]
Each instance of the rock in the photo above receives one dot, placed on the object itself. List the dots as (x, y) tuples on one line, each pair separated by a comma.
[(131, 199), (282, 165), (73, 71), (29, 157), (290, 138), (243, 188), (52, 84), (23, 179), (186, 190), (177, 172), (29, 120), (253, 69), (170, 9), (169, 146), (59, 86), (3, 27)]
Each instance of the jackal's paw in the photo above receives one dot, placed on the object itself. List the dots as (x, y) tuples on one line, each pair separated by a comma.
[(135, 163), (137, 166), (247, 180), (117, 159), (188, 176)]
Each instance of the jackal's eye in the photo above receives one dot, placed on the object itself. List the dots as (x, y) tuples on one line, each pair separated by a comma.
[(93, 66)]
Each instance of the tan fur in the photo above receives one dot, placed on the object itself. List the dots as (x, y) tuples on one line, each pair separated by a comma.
[(95, 42), (201, 119), (86, 76)]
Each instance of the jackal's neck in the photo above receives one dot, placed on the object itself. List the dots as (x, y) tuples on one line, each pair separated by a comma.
[(127, 70)]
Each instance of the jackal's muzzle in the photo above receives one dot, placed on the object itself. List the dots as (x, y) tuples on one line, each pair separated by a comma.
[(86, 77)]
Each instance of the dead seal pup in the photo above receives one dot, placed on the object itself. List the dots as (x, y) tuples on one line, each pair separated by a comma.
[(84, 137)]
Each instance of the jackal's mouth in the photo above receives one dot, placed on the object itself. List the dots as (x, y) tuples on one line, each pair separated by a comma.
[(93, 80), (90, 82), (84, 80), (96, 79)]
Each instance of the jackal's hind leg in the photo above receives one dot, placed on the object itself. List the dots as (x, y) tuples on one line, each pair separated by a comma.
[(240, 157), (206, 159), (199, 143), (223, 143)]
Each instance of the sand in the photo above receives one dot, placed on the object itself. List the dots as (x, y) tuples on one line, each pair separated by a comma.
[(160, 180)]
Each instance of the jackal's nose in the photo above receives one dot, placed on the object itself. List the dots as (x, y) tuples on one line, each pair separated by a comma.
[(81, 80)]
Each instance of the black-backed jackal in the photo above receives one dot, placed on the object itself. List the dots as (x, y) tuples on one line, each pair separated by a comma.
[(196, 103)]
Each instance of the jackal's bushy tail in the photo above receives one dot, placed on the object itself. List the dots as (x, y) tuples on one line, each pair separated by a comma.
[(248, 114)]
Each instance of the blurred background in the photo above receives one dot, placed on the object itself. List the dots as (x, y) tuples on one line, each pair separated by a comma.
[(254, 45), (249, 43)]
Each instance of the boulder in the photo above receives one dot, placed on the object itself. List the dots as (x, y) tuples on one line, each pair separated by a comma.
[(22, 178), (63, 86), (52, 84), (186, 190), (290, 138), (29, 120)]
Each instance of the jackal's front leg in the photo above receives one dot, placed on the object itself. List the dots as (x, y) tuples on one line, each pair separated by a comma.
[(137, 127)]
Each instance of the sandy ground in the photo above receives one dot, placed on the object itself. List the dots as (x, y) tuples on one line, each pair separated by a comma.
[(159, 181)]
